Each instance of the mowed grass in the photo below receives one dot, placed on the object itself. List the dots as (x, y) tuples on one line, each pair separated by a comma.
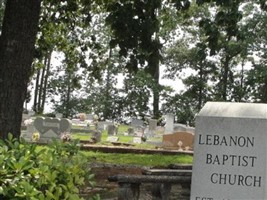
[(149, 160)]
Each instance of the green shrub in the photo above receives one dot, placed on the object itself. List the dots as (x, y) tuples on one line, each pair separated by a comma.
[(29, 172)]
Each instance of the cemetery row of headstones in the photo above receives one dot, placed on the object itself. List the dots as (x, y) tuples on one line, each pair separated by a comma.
[(48, 128)]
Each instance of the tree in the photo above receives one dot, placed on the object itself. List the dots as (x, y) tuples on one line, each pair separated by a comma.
[(62, 29), (256, 79), (17, 41)]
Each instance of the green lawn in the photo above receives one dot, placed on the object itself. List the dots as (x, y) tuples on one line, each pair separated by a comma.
[(133, 159), (149, 160)]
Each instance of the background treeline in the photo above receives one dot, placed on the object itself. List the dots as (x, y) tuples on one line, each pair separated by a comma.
[(217, 48)]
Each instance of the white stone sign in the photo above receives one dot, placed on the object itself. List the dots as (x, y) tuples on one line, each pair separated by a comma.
[(230, 152)]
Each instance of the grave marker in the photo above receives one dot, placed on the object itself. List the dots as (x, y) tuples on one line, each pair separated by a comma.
[(112, 129), (169, 123), (137, 122), (137, 140), (112, 139), (152, 126), (50, 128), (171, 140), (59, 115), (230, 152)]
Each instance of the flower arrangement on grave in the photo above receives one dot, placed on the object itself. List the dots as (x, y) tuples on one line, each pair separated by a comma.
[(143, 138), (180, 144), (65, 137), (82, 116), (28, 122), (35, 137)]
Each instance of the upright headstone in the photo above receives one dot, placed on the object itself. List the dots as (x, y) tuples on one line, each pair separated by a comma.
[(90, 117), (59, 115), (230, 152), (130, 131), (169, 123), (179, 128), (172, 140), (152, 126), (137, 122), (51, 128), (31, 113), (112, 129), (96, 137), (139, 131), (27, 135)]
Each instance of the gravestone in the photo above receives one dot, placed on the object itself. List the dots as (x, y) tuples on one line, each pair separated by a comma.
[(139, 131), (230, 152), (112, 129), (172, 140), (136, 122), (31, 113), (112, 139), (25, 117), (51, 128), (96, 137), (90, 117), (152, 126), (130, 131), (137, 140), (179, 128), (27, 135), (169, 123), (59, 115)]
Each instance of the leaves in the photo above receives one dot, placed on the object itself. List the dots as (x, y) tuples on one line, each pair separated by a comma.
[(53, 173)]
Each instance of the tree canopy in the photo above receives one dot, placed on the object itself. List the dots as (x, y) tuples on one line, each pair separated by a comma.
[(77, 49)]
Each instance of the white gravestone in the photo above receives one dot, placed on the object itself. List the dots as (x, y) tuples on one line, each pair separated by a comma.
[(152, 126), (230, 152), (169, 123), (50, 128), (137, 140), (112, 139)]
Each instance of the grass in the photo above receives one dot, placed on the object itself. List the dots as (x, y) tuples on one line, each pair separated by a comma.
[(149, 160)]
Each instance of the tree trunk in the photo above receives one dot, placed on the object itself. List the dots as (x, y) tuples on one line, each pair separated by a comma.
[(153, 70), (225, 77), (41, 88), (200, 94), (17, 41), (47, 73), (36, 92)]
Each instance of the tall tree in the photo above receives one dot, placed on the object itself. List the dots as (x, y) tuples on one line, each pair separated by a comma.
[(135, 27), (17, 41)]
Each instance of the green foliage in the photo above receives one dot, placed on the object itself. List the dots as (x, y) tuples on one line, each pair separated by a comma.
[(54, 173)]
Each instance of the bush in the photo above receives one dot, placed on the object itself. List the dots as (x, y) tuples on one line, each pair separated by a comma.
[(29, 172)]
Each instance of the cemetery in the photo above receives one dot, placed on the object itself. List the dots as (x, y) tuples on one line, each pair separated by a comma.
[(227, 155), (135, 138), (133, 100)]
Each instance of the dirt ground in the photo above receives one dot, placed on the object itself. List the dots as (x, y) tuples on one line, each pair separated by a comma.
[(108, 190)]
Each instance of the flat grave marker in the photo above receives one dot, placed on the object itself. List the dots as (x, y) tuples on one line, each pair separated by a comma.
[(137, 140), (112, 139)]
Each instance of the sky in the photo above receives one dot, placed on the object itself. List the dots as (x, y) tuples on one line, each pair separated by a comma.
[(177, 84)]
